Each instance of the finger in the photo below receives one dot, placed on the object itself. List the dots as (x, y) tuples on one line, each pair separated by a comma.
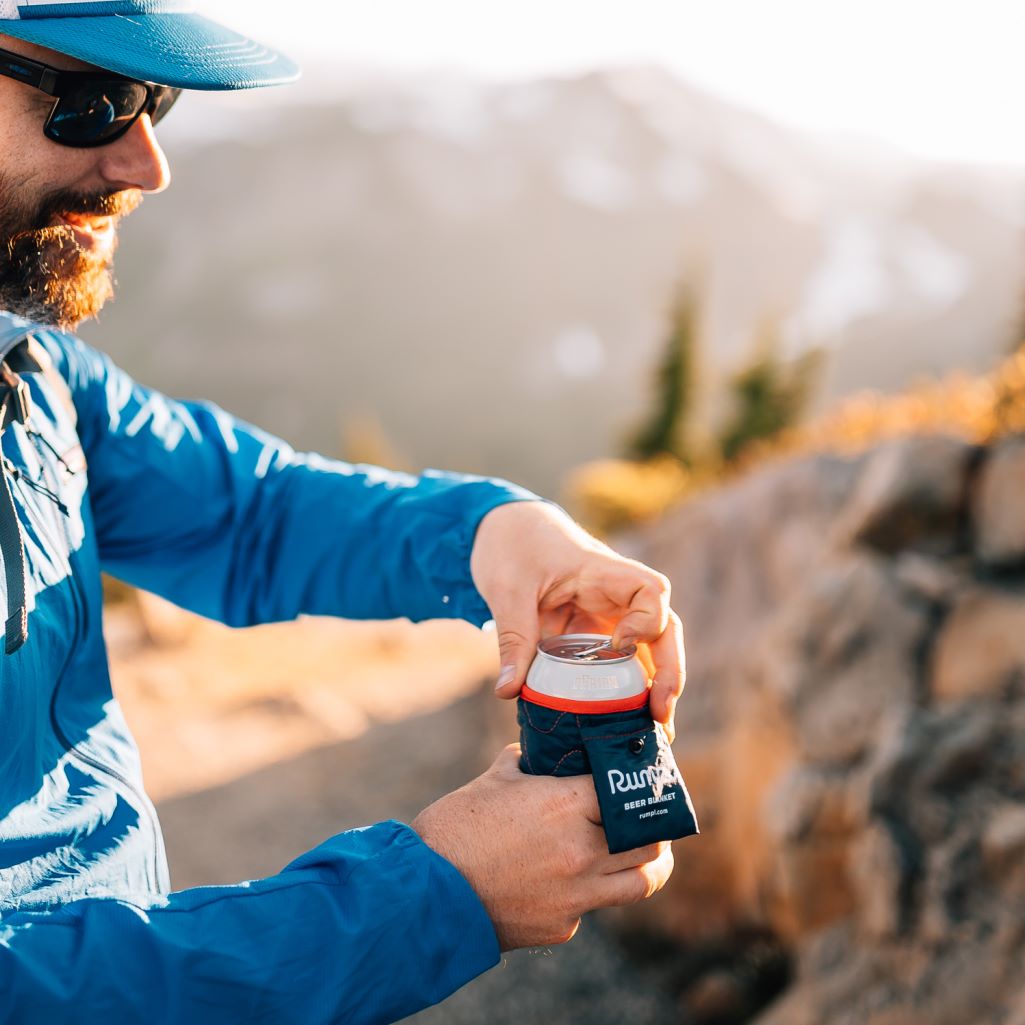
[(633, 859), (581, 622), (647, 610), (631, 884), (644, 657), (566, 619), (579, 798), (573, 798), (670, 659), (516, 620)]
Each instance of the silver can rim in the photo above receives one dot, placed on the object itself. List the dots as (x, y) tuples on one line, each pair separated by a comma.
[(627, 654)]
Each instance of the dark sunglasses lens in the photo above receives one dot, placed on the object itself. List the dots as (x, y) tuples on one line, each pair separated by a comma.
[(163, 100), (97, 112)]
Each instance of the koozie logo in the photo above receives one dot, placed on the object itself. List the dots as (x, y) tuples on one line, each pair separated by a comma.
[(656, 777)]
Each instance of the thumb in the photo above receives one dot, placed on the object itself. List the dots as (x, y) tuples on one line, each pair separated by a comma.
[(517, 644)]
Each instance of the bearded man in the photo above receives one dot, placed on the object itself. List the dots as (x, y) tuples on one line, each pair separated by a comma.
[(101, 473)]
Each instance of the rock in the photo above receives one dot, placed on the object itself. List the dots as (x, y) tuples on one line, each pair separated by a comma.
[(998, 509), (808, 801), (933, 579), (880, 870), (810, 889), (1017, 1012), (1003, 842), (844, 659), (950, 872), (860, 740), (960, 745), (911, 494), (717, 996), (980, 651), (760, 541), (891, 786)]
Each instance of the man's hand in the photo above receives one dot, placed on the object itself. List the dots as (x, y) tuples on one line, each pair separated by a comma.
[(533, 850), (542, 574)]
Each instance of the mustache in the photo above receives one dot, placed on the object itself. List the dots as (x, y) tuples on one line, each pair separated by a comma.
[(103, 204), (106, 204)]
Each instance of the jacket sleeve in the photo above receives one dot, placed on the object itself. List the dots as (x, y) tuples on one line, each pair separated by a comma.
[(223, 519), (369, 927)]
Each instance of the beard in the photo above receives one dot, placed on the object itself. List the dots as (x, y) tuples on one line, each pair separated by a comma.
[(46, 275)]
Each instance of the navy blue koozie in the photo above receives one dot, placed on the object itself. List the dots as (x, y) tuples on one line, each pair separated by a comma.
[(641, 794)]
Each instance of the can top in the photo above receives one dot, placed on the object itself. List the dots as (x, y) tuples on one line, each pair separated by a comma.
[(578, 649)]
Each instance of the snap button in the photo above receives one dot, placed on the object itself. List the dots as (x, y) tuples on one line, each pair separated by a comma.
[(636, 745)]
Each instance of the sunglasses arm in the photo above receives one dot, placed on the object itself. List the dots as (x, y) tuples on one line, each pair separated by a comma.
[(36, 75)]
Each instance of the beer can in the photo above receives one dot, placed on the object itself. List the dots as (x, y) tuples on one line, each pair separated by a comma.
[(571, 670)]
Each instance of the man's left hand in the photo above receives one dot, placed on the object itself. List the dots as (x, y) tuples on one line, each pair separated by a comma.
[(542, 574)]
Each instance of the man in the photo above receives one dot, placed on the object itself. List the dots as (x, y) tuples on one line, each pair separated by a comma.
[(215, 515)]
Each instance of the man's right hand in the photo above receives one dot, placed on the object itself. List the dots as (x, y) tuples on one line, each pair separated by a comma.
[(533, 849)]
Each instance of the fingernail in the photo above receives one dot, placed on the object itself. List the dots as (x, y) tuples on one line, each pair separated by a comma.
[(507, 675)]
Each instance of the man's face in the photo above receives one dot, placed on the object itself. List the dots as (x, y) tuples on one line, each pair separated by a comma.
[(60, 207)]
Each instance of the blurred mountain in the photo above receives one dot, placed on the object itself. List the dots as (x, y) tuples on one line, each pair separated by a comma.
[(487, 271)]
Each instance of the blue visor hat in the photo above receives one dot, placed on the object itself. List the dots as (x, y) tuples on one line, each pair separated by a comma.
[(161, 41)]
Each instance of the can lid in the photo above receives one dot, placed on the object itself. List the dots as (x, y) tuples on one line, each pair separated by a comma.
[(585, 648)]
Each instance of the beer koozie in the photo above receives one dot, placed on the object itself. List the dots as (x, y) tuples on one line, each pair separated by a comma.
[(641, 793)]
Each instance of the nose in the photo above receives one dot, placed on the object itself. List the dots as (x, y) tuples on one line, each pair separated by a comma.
[(136, 161)]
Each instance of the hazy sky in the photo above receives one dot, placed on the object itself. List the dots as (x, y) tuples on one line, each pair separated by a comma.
[(941, 78)]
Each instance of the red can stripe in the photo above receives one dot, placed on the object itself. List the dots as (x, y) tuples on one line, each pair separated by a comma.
[(584, 707)]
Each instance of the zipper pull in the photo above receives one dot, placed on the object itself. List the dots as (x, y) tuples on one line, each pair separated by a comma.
[(38, 439), (17, 474)]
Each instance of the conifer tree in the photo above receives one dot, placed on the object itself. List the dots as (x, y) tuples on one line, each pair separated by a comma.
[(769, 396), (667, 430)]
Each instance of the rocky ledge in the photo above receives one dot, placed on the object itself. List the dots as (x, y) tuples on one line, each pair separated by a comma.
[(854, 736)]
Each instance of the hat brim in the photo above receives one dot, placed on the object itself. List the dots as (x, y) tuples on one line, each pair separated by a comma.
[(186, 51)]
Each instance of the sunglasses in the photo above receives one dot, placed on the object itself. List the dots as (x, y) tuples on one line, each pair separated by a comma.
[(91, 108)]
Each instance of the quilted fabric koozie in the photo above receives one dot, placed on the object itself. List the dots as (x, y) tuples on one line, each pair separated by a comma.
[(585, 710)]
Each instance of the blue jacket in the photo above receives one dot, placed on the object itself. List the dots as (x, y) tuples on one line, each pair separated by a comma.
[(185, 501)]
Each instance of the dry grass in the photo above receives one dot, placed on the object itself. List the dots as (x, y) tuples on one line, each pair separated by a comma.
[(979, 409)]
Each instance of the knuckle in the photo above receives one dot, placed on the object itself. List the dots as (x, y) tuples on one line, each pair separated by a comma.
[(661, 582), (645, 884), (575, 859), (637, 886), (510, 637)]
